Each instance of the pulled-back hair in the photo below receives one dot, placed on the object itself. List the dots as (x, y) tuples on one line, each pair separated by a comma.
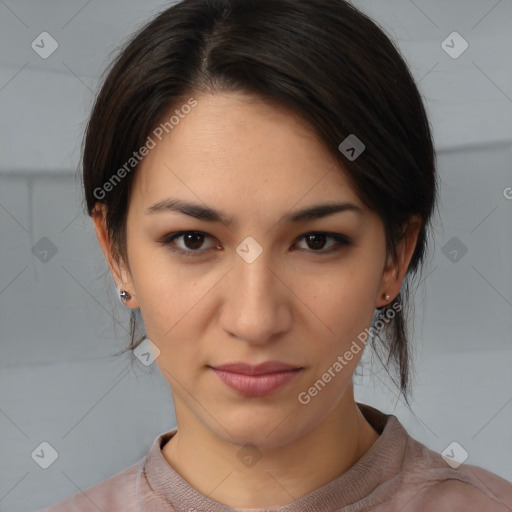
[(323, 60)]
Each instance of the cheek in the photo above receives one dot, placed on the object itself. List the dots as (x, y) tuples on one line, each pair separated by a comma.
[(174, 302), (346, 300), (157, 277), (159, 287)]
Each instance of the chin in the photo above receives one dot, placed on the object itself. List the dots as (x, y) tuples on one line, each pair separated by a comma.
[(266, 429)]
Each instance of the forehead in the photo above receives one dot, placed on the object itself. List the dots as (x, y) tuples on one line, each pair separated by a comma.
[(233, 147)]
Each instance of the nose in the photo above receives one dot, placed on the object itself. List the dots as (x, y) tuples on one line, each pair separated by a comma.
[(258, 305)]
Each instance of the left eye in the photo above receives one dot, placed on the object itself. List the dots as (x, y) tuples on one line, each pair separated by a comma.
[(318, 239), (193, 240)]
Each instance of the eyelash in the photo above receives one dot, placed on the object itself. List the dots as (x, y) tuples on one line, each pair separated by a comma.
[(342, 241)]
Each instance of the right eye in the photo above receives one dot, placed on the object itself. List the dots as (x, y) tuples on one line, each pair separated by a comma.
[(192, 241)]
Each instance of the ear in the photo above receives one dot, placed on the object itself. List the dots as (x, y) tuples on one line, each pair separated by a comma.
[(118, 268), (393, 273)]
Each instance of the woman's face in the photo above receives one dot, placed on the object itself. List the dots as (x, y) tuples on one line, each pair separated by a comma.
[(255, 290)]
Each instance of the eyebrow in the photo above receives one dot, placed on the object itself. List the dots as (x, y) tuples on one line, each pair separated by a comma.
[(209, 214)]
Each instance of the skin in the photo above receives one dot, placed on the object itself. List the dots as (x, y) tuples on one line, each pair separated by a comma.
[(256, 162)]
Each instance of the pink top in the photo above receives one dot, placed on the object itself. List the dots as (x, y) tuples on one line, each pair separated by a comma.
[(396, 474)]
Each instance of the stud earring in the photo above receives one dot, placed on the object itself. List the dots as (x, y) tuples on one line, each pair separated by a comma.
[(124, 296), (387, 296)]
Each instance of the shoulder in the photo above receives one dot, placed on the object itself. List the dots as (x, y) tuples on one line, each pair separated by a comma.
[(458, 495), (115, 493), (432, 484)]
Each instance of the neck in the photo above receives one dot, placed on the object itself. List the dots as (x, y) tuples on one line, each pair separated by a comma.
[(282, 474)]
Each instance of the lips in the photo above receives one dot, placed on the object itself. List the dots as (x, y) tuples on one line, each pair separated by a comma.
[(256, 380), (260, 369)]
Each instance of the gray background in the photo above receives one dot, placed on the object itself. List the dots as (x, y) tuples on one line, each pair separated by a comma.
[(61, 323)]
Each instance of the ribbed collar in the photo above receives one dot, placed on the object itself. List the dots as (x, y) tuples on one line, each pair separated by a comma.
[(378, 465)]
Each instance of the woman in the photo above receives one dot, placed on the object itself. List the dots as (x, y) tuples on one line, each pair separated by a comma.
[(261, 178)]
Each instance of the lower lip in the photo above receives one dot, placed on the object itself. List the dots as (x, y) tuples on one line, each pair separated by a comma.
[(256, 385)]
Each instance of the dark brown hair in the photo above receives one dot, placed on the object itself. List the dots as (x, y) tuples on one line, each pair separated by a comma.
[(324, 61)]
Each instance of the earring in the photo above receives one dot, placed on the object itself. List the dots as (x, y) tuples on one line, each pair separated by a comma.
[(387, 296), (124, 296)]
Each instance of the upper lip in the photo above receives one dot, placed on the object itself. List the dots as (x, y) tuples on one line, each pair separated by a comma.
[(259, 369)]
